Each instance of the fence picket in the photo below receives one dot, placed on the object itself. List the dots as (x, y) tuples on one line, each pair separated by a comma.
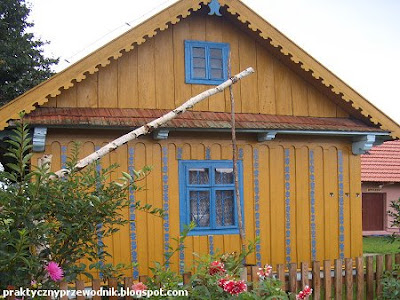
[(316, 280), (360, 277), (304, 275), (370, 277), (388, 262), (379, 273), (280, 269), (80, 285), (96, 286), (349, 278), (397, 259), (338, 279), (293, 277), (327, 279)]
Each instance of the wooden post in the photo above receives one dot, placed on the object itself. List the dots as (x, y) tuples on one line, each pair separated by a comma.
[(128, 282), (280, 270), (349, 278), (338, 279), (293, 277), (388, 262), (64, 287), (327, 279), (80, 286), (254, 277), (113, 284), (379, 273), (96, 286), (304, 275), (316, 280), (397, 258), (186, 277), (370, 277), (360, 277)]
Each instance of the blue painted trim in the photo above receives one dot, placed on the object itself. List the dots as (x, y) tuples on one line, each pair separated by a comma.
[(165, 190), (341, 204), (240, 156), (179, 152), (189, 74), (211, 244), (208, 153), (132, 214), (214, 8), (287, 206), (99, 227), (39, 139), (184, 209), (257, 204), (63, 157), (312, 206)]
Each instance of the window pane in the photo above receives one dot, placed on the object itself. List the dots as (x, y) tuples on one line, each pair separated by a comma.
[(199, 52), (223, 175), (199, 73), (200, 208), (216, 63), (215, 53), (198, 176), (199, 63), (225, 208), (216, 74)]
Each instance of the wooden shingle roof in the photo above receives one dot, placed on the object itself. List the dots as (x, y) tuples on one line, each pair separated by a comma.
[(182, 9)]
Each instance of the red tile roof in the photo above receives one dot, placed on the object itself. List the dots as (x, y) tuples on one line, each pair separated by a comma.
[(382, 163), (114, 117)]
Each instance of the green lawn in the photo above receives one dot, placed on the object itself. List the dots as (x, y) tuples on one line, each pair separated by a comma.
[(380, 244)]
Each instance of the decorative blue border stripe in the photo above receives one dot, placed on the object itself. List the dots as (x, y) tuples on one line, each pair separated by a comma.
[(179, 153), (257, 204), (211, 244), (165, 190), (63, 157), (312, 207), (287, 205), (132, 215), (240, 153), (208, 153), (341, 204)]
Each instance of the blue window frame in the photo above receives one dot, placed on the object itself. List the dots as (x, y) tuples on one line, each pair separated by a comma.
[(206, 62), (207, 196)]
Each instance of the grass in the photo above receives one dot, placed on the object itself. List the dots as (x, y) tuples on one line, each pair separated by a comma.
[(380, 244)]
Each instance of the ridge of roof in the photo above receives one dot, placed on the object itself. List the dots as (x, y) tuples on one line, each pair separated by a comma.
[(173, 14)]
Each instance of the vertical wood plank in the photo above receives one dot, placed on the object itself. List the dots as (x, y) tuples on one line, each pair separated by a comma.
[(299, 95), (266, 85), (64, 287), (186, 277), (397, 258), (360, 277), (349, 278), (128, 80), (283, 93), (67, 98), (293, 277), (86, 93), (80, 286), (379, 273), (338, 279), (327, 279), (355, 205), (280, 270), (113, 284), (108, 85), (388, 262), (316, 280), (304, 275), (319, 203), (370, 277), (146, 73), (128, 281), (164, 66), (96, 286), (254, 277)]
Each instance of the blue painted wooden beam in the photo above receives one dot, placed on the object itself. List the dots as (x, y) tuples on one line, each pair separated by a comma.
[(214, 8), (39, 139)]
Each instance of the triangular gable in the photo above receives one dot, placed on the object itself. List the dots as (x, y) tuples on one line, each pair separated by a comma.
[(172, 15)]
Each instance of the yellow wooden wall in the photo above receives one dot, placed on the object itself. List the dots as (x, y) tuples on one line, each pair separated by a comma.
[(301, 196), (152, 75)]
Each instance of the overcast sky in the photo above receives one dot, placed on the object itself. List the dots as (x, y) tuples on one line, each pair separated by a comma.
[(358, 40)]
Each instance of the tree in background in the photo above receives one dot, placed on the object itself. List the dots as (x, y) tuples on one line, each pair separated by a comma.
[(22, 64)]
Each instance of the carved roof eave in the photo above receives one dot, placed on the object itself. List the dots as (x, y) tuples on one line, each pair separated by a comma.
[(173, 14)]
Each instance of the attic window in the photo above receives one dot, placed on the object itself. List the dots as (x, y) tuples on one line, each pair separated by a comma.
[(206, 62)]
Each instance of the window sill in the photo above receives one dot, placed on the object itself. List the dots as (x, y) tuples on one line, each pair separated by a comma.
[(199, 232)]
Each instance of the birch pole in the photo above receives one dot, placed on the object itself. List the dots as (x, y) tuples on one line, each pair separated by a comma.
[(242, 232), (149, 127)]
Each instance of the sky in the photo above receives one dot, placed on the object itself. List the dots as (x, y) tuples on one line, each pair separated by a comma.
[(358, 40)]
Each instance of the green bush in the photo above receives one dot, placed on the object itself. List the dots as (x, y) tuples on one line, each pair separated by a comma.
[(391, 284)]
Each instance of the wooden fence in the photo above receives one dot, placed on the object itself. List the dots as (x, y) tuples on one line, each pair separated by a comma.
[(358, 278)]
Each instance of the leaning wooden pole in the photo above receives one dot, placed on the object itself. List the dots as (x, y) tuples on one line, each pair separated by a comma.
[(149, 127), (242, 232)]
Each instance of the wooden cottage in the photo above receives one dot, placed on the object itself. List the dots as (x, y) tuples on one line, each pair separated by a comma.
[(300, 131)]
